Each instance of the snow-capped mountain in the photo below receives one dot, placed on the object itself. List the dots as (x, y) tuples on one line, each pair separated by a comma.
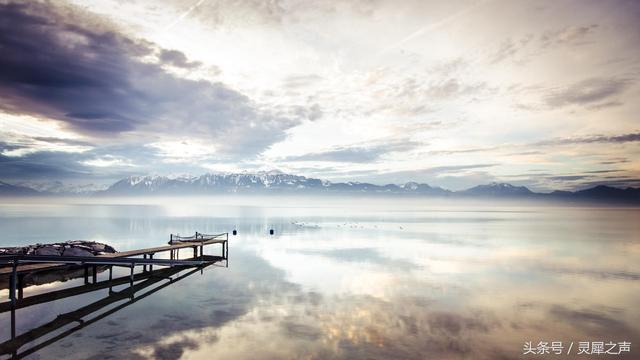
[(271, 181), (498, 189), (276, 182), (16, 190)]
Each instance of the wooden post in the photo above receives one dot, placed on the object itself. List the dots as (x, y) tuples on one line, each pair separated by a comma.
[(20, 287), (86, 274), (13, 328), (131, 276), (151, 265), (131, 281), (110, 278), (95, 274), (195, 251), (144, 267)]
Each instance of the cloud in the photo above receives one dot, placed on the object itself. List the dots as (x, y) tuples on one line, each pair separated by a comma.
[(300, 81), (509, 48), (92, 79), (574, 35), (621, 138), (42, 165), (568, 177), (105, 163), (592, 320), (593, 92), (177, 58), (358, 153)]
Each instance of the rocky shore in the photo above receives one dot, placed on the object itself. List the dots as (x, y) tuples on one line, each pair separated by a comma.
[(68, 248)]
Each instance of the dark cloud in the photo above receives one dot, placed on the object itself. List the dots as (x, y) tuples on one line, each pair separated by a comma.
[(42, 165), (568, 177), (177, 58), (48, 165), (591, 320), (596, 92), (622, 138), (54, 140), (59, 65), (614, 161)]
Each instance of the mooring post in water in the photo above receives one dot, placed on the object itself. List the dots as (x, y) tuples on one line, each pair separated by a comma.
[(151, 265), (144, 267), (95, 274), (86, 274)]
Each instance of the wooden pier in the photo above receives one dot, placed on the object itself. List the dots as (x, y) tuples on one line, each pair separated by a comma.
[(151, 281), (20, 265)]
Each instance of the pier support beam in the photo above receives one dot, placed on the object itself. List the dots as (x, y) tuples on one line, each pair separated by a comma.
[(13, 283), (94, 274), (86, 274)]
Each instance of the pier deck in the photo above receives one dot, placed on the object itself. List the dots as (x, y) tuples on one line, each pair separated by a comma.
[(30, 266), (22, 265)]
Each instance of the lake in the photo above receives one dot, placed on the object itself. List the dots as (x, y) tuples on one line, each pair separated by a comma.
[(348, 278)]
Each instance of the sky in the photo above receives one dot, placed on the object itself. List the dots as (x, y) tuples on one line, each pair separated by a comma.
[(450, 93)]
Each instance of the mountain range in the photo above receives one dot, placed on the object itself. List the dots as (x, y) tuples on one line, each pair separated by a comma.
[(275, 182)]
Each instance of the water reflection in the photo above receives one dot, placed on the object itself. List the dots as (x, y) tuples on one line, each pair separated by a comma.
[(399, 281), (92, 312)]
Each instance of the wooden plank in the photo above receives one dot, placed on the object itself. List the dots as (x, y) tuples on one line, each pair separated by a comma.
[(164, 248)]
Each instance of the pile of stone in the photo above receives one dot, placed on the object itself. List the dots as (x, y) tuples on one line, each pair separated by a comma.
[(69, 248)]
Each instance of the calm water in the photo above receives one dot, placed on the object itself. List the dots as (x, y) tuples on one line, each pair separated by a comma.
[(347, 279)]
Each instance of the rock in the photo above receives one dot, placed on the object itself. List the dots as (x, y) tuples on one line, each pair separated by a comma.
[(69, 248), (76, 251), (48, 250), (97, 247)]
